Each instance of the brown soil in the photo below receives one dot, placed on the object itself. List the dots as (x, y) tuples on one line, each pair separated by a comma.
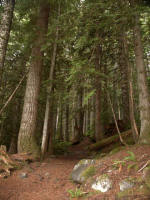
[(50, 179)]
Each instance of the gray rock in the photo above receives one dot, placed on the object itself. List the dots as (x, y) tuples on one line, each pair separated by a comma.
[(23, 175), (102, 183), (126, 184), (77, 173)]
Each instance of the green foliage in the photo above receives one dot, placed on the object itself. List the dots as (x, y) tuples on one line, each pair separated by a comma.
[(132, 166), (82, 26), (131, 157), (117, 163), (88, 96), (76, 193), (61, 147)]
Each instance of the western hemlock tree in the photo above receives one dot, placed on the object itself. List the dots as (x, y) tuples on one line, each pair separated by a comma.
[(26, 142)]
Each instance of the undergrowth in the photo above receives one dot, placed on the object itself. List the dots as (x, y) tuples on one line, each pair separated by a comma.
[(60, 147)]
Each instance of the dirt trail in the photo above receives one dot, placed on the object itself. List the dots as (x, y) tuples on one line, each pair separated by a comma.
[(48, 180)]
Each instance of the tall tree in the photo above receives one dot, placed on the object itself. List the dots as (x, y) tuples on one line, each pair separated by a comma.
[(48, 99), (130, 86), (144, 97), (98, 119), (5, 27), (26, 141), (124, 81)]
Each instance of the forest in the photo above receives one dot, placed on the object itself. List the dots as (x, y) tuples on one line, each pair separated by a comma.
[(70, 69), (74, 84)]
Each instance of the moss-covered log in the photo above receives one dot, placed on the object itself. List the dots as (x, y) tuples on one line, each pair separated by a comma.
[(107, 141)]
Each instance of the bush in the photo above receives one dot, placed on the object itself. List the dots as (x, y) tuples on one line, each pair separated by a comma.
[(61, 147)]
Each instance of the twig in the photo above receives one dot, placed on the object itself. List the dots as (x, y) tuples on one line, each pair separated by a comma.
[(12, 95), (147, 163)]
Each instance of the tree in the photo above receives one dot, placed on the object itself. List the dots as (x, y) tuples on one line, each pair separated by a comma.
[(98, 119), (44, 145), (5, 28), (144, 97), (26, 141), (124, 80)]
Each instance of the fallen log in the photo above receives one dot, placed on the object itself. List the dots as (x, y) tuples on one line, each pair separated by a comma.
[(23, 157), (107, 141)]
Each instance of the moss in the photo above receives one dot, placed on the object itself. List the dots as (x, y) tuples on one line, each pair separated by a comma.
[(100, 155), (86, 161), (29, 145), (89, 172), (145, 135), (141, 190), (104, 176), (115, 150)]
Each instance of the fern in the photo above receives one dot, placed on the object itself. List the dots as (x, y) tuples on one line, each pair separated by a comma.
[(76, 193), (131, 156)]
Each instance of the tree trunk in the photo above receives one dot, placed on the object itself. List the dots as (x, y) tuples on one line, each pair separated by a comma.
[(124, 81), (26, 141), (49, 92), (106, 107), (92, 117), (144, 99), (16, 108), (51, 127), (81, 112), (67, 123), (5, 28), (57, 118), (79, 119), (98, 120), (107, 141), (61, 137), (131, 103)]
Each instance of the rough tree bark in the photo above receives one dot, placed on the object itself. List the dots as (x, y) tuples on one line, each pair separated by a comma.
[(144, 97), (131, 103), (67, 123), (81, 112), (48, 99), (5, 28), (124, 81), (79, 118), (26, 142)]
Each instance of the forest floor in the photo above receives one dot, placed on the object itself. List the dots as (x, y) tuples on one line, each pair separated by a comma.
[(50, 179)]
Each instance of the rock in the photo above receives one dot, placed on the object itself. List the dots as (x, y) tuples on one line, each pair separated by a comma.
[(79, 169), (126, 184), (102, 183), (23, 175)]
